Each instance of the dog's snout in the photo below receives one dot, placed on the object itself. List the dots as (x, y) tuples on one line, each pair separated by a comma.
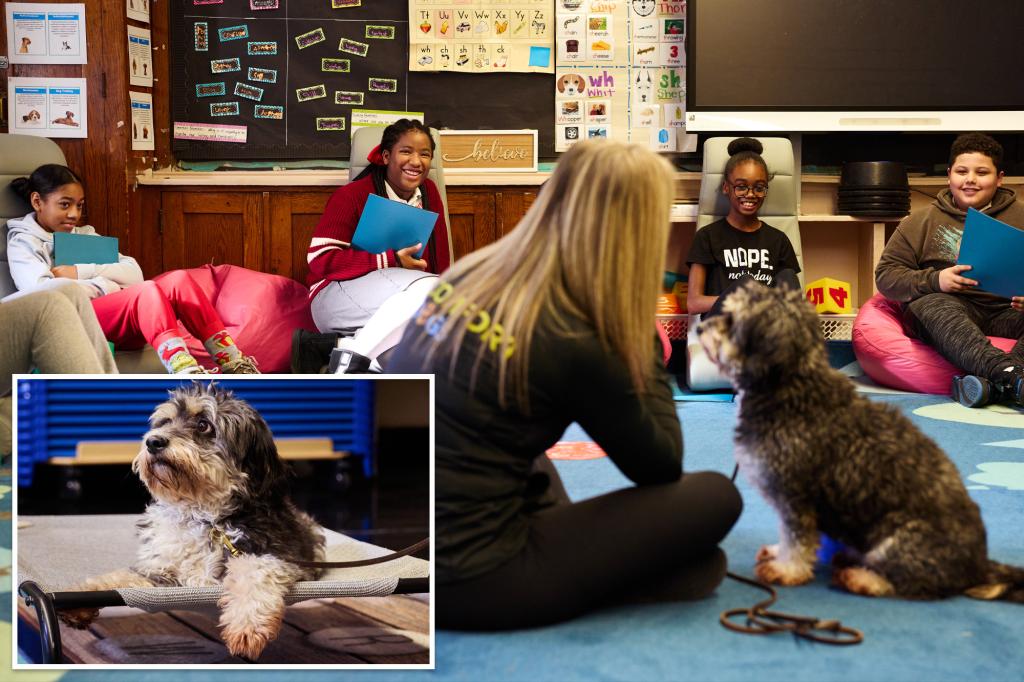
[(155, 444)]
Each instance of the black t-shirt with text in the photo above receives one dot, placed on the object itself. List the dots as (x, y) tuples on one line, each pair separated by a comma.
[(729, 253)]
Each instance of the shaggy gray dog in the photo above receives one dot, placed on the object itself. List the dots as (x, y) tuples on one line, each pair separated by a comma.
[(210, 463), (829, 460)]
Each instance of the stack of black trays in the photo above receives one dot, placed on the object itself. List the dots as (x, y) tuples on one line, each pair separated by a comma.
[(874, 188)]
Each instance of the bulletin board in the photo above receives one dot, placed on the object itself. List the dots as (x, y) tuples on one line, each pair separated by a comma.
[(285, 75)]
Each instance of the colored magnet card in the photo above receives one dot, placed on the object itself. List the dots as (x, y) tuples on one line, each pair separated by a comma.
[(311, 92), (332, 123), (257, 5), (342, 4), (233, 33), (249, 91), (268, 111), (353, 47), (222, 65), (311, 38), (335, 65), (380, 32), (346, 97), (383, 85), (262, 47), (210, 89), (202, 36), (224, 109), (262, 75)]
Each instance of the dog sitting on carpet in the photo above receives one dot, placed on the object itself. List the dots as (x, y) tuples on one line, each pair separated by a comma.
[(210, 463), (831, 461)]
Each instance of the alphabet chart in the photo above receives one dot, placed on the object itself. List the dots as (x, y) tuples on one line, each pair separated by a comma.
[(621, 72), (481, 36)]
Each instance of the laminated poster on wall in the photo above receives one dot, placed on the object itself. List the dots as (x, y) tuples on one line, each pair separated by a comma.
[(481, 36), (46, 33), (140, 57), (47, 107), (138, 10), (142, 120), (621, 73)]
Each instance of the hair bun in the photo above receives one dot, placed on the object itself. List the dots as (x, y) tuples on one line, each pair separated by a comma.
[(745, 144), (22, 188)]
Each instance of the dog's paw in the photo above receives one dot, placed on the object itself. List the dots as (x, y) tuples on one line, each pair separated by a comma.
[(247, 643), (780, 573), (767, 553), (80, 619), (862, 581)]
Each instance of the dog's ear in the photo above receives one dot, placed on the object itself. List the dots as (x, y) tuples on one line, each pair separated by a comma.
[(268, 476)]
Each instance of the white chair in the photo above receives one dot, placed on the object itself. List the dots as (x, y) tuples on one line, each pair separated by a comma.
[(366, 138), (779, 210)]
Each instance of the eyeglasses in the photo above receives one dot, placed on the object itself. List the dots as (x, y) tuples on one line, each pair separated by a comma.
[(759, 189)]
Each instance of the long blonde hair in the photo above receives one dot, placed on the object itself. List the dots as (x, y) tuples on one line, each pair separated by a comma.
[(591, 246)]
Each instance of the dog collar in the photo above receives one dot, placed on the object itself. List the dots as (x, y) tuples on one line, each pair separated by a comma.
[(220, 537)]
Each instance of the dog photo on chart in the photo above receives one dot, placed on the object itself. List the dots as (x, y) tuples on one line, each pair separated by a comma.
[(830, 461), (220, 524)]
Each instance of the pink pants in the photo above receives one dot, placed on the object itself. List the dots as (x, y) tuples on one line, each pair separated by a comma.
[(149, 312)]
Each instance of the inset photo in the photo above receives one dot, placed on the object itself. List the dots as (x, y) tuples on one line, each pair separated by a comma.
[(223, 521)]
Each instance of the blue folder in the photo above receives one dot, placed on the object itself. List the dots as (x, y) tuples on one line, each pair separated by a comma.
[(72, 249), (387, 224), (993, 250)]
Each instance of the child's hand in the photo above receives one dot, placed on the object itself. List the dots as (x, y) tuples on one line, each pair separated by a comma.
[(408, 260), (69, 271), (950, 280), (1018, 303)]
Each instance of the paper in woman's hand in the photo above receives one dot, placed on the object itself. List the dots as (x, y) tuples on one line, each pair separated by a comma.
[(387, 224)]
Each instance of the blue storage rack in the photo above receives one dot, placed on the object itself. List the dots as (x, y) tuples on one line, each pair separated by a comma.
[(54, 415)]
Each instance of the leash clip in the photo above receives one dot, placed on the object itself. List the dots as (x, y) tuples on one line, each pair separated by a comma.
[(220, 537)]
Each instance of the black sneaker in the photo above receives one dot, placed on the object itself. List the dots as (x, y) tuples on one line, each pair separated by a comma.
[(311, 351), (973, 391), (347, 362)]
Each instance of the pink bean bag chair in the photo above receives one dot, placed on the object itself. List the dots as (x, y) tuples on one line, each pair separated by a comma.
[(891, 358), (260, 312), (666, 344)]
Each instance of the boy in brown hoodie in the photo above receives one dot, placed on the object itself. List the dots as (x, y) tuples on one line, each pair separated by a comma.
[(918, 267)]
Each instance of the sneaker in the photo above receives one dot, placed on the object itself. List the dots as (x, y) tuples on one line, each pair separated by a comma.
[(973, 391), (347, 362), (311, 351), (184, 363), (245, 364)]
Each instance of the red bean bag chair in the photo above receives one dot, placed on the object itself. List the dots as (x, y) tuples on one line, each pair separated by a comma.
[(260, 312), (891, 358), (666, 344)]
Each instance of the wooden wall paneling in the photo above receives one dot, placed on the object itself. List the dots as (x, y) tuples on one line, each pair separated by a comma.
[(511, 204), (172, 230), (212, 227), (109, 143), (472, 216), (144, 209), (293, 218)]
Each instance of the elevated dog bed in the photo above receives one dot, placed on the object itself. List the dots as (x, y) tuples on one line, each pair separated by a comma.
[(893, 359), (56, 552)]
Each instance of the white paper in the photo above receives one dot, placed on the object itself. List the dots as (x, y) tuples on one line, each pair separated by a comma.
[(48, 107), (140, 57), (138, 10), (379, 118), (46, 33), (142, 120)]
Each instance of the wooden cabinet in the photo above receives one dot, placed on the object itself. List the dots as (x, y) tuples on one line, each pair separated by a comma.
[(269, 228)]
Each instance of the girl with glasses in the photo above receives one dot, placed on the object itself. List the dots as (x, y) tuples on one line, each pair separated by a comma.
[(740, 247)]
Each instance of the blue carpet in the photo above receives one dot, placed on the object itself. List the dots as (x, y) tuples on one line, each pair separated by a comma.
[(957, 639)]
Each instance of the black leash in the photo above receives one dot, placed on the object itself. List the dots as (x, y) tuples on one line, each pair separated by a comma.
[(411, 549), (761, 621)]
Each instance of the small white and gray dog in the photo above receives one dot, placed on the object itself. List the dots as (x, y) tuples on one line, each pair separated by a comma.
[(210, 463), (831, 461)]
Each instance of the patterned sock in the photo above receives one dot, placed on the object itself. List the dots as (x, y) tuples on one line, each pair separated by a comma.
[(174, 354), (221, 348)]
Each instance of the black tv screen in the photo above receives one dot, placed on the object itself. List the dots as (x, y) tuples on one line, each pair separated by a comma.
[(855, 55)]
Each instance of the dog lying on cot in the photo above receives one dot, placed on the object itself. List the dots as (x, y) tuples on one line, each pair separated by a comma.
[(220, 516), (831, 461)]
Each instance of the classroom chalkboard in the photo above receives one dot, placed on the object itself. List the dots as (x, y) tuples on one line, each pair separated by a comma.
[(291, 73)]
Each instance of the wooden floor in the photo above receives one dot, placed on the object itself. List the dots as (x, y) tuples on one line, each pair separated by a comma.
[(360, 631)]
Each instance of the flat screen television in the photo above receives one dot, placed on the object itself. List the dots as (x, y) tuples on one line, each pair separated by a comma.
[(854, 65)]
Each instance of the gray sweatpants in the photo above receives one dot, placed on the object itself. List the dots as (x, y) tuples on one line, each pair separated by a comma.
[(957, 327), (55, 330)]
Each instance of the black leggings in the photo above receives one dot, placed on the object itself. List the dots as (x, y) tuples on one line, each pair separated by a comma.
[(785, 277), (640, 544), (957, 328)]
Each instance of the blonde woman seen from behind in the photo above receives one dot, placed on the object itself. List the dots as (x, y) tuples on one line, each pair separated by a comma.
[(554, 324)]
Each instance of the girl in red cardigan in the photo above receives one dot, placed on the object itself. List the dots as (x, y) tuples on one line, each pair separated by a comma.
[(373, 295)]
